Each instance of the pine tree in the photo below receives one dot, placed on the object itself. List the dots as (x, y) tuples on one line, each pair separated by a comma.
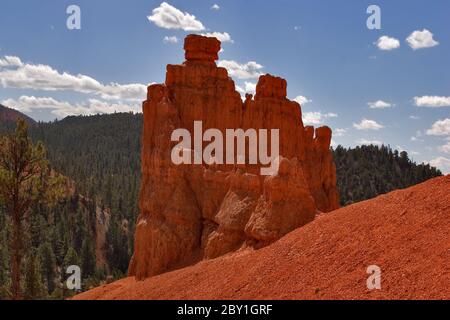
[(61, 243), (48, 265), (33, 286), (88, 258), (4, 276), (79, 232), (25, 179), (70, 259)]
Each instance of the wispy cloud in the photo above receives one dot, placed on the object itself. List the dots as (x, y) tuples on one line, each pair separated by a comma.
[(369, 142), (367, 124), (16, 74), (62, 109), (171, 39), (339, 132), (380, 104), (317, 117), (215, 7), (415, 139)]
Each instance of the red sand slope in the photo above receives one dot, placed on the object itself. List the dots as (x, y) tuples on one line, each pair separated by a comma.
[(406, 233)]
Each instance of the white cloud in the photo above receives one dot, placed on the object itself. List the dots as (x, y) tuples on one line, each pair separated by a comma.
[(316, 117), (169, 17), (367, 124), (221, 36), (440, 128), (249, 70), (339, 132), (10, 61), (416, 139), (446, 147), (441, 163), (379, 104), (432, 101), (387, 43), (62, 109), (30, 103), (333, 143), (250, 87), (369, 142), (302, 100), (414, 117), (43, 77), (215, 7), (171, 39), (421, 39)]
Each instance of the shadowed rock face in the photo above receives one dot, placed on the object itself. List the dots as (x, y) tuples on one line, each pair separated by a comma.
[(192, 212)]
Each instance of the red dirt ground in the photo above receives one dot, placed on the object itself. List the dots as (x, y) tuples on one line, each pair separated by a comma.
[(406, 233)]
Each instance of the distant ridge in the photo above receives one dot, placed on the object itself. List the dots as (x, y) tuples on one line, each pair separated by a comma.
[(9, 116)]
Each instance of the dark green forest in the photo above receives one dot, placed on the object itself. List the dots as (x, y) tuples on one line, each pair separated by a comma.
[(94, 225), (367, 171)]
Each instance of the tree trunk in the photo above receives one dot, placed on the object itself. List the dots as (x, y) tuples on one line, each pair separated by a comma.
[(17, 255)]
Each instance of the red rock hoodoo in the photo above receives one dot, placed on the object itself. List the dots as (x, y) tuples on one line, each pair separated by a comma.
[(199, 211)]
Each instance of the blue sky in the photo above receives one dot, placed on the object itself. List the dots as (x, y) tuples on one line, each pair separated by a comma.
[(322, 48)]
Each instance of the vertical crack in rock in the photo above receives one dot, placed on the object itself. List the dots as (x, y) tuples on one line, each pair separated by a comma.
[(226, 206)]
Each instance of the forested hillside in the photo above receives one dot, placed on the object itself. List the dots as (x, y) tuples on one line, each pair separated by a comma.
[(94, 225), (102, 155), (367, 171)]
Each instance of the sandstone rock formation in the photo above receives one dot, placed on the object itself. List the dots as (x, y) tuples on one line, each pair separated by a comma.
[(199, 211)]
